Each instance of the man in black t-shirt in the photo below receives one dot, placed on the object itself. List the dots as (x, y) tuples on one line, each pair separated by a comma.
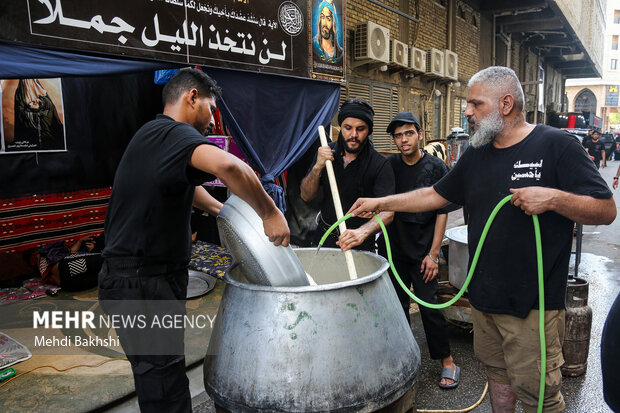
[(415, 239), (360, 171), (548, 174), (596, 149), (148, 237)]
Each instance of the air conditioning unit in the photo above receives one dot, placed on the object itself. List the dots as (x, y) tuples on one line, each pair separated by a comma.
[(399, 53), (451, 65), (434, 62), (417, 59), (372, 42)]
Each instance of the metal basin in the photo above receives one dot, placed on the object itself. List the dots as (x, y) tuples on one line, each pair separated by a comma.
[(458, 260), (241, 232), (342, 345)]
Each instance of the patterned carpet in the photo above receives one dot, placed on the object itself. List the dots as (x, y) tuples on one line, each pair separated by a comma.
[(210, 258)]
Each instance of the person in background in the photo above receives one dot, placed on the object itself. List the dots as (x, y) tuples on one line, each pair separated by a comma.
[(596, 149), (148, 236), (52, 257), (360, 171), (587, 138), (616, 148), (415, 239), (548, 174), (615, 180), (610, 356)]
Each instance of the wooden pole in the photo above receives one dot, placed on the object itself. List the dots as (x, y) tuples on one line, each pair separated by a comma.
[(337, 205)]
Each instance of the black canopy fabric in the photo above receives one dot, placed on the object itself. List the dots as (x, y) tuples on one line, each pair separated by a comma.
[(101, 114), (20, 61), (272, 118)]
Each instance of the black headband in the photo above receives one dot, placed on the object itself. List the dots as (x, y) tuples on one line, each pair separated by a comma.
[(357, 111)]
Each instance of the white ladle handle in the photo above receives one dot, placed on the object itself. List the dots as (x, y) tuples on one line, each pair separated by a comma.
[(337, 205)]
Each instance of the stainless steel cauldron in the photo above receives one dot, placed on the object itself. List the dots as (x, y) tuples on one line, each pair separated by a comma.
[(458, 256), (343, 345)]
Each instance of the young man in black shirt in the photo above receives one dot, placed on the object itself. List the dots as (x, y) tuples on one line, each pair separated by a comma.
[(596, 149), (549, 174), (148, 236), (360, 171), (415, 239)]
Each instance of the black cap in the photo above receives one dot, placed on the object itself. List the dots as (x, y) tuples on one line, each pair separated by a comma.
[(403, 117)]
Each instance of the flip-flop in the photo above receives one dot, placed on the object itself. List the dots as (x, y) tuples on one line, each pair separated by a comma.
[(448, 373)]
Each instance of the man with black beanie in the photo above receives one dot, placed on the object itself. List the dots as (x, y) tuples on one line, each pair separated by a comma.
[(360, 171)]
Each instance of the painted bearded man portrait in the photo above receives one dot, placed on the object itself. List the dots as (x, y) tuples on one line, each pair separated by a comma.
[(325, 41)]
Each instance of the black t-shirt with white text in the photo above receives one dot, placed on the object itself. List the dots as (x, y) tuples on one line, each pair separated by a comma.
[(506, 278), (151, 204)]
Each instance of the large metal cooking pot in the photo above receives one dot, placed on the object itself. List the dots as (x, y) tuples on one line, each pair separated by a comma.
[(342, 345), (458, 255)]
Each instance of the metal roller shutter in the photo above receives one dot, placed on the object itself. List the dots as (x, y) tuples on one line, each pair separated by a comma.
[(384, 101)]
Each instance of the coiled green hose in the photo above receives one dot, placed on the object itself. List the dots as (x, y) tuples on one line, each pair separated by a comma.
[(541, 282)]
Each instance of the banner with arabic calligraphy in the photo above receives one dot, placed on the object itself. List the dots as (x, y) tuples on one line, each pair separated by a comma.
[(32, 116), (257, 35)]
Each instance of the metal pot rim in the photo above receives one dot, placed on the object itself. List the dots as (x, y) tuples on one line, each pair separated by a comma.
[(312, 288)]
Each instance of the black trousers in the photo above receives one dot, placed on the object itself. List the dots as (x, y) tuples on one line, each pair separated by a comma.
[(131, 288), (433, 321)]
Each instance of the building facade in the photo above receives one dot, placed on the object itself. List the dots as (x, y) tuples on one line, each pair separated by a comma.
[(600, 95), (545, 42)]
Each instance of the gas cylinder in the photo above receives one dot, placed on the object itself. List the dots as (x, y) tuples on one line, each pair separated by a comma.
[(578, 319)]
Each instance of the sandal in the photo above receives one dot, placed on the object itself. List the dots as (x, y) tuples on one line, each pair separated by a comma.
[(448, 373)]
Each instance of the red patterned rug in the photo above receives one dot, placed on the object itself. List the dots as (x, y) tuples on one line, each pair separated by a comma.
[(33, 221)]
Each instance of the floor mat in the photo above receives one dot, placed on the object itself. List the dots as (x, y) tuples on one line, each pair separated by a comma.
[(11, 351), (31, 288), (210, 258)]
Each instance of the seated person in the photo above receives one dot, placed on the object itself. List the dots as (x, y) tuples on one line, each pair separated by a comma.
[(74, 268)]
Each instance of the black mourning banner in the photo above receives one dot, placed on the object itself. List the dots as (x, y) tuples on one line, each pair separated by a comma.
[(257, 35)]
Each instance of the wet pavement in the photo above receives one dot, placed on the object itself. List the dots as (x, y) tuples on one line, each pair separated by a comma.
[(600, 255)]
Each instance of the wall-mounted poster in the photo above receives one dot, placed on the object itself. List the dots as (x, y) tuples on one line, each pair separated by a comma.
[(328, 43), (32, 116)]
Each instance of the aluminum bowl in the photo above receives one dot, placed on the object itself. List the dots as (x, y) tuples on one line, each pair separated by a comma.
[(241, 232)]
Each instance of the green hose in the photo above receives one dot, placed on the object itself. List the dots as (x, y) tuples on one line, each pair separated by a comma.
[(541, 282)]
